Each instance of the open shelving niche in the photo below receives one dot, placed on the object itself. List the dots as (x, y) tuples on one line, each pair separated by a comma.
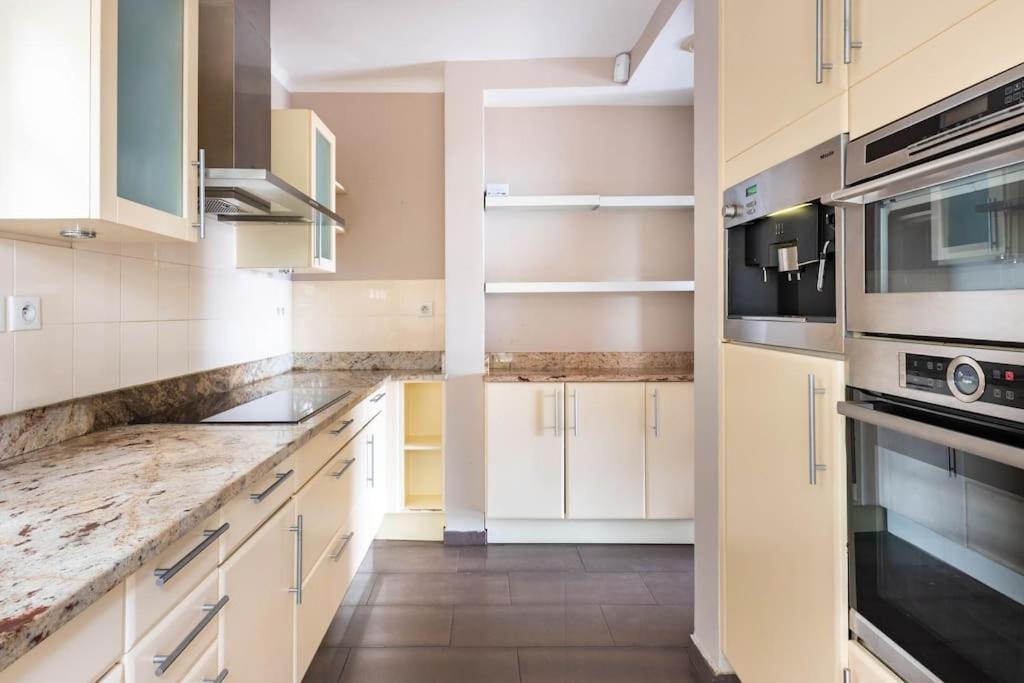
[(589, 202), (423, 447)]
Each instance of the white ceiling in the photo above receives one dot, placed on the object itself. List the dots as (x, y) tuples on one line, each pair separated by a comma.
[(401, 45)]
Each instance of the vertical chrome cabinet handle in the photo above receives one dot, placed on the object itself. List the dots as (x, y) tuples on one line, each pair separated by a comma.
[(163, 575), (813, 391), (848, 42), (575, 412), (819, 39), (200, 165), (297, 530), (279, 478), (657, 414), (559, 414), (336, 555), (372, 472), (164, 662)]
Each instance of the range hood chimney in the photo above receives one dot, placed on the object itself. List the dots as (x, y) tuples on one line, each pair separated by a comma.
[(234, 120)]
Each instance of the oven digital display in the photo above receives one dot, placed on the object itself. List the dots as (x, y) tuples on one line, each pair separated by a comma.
[(752, 190), (961, 113)]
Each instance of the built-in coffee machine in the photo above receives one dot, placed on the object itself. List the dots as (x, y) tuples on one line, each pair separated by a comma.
[(783, 252)]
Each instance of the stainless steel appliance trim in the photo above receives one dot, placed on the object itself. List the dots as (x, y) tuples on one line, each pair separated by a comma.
[(849, 44), (819, 39), (163, 575), (773, 318), (297, 530), (813, 391), (809, 336), (979, 159), (164, 662), (950, 381), (862, 411), (288, 203), (894, 656), (336, 555), (280, 478), (857, 169)]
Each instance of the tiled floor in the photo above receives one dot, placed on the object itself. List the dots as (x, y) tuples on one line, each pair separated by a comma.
[(427, 613)]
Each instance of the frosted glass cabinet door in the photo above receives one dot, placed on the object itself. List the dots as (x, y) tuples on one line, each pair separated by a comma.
[(324, 186), (150, 103)]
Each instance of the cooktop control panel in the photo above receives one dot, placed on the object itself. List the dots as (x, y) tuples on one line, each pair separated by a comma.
[(965, 378)]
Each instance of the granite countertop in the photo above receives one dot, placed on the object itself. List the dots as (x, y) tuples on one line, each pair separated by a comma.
[(590, 375), (78, 518)]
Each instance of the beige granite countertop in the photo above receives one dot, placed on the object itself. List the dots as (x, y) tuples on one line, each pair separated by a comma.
[(79, 517), (590, 375)]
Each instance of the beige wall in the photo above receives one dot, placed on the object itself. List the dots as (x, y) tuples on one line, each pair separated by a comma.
[(280, 98), (390, 157), (590, 150)]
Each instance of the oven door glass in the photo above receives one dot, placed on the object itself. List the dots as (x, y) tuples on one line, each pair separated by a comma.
[(964, 235), (936, 552)]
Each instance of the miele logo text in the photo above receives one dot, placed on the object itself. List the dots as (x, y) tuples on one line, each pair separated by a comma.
[(827, 154)]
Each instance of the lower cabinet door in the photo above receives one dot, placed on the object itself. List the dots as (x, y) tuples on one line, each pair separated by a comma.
[(256, 625), (670, 450), (604, 450), (322, 594), (783, 539), (374, 468)]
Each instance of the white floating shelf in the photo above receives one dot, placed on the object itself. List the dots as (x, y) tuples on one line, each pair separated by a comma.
[(589, 201), (587, 287)]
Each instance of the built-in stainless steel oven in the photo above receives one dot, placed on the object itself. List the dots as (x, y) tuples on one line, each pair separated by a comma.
[(784, 253), (935, 219), (935, 454)]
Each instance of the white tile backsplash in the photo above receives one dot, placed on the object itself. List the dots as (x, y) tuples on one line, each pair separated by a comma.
[(116, 315)]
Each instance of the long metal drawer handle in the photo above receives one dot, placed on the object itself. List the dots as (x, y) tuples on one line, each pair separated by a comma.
[(297, 530), (164, 575), (337, 556), (348, 463), (344, 425), (164, 662), (262, 495), (813, 465), (221, 677), (378, 397)]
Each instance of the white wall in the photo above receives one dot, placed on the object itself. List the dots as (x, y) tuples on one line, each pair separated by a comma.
[(116, 315)]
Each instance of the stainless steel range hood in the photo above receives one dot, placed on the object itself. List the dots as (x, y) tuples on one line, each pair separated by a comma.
[(234, 120)]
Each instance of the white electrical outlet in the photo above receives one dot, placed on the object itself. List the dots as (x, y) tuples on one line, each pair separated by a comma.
[(427, 310), (24, 313)]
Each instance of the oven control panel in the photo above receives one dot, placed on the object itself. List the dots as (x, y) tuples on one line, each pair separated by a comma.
[(964, 378)]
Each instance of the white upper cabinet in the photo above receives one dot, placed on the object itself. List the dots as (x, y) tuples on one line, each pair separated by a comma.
[(770, 71), (99, 123)]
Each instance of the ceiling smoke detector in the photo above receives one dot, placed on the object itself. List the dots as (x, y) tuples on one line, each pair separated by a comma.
[(78, 233)]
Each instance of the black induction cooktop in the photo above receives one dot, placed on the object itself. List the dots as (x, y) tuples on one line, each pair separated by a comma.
[(253, 406)]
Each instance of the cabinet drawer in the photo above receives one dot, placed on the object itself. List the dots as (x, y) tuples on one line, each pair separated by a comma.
[(249, 509), (311, 457), (322, 594), (80, 652), (324, 504), (182, 637), (207, 668), (188, 561)]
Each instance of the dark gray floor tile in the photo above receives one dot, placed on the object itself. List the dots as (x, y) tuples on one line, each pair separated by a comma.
[(525, 625), (671, 588), (637, 558), (579, 588), (326, 665), (397, 626), (431, 665), (339, 625), (441, 589), (506, 558), (605, 665), (649, 625), (406, 556), (359, 589)]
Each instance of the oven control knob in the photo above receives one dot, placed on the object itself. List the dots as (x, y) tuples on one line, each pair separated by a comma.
[(730, 211), (966, 379)]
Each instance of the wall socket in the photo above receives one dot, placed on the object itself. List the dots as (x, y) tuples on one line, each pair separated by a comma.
[(24, 313), (427, 310)]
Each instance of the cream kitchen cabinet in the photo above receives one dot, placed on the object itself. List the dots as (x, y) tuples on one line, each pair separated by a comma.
[(769, 67), (669, 450), (784, 544), (99, 123), (604, 450), (866, 668), (302, 153), (525, 451), (965, 42), (256, 626)]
